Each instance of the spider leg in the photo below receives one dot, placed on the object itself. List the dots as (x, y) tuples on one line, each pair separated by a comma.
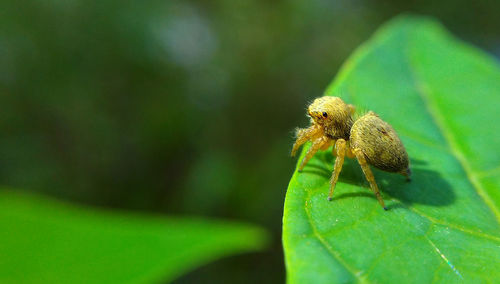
[(349, 152), (369, 176), (317, 144), (407, 174), (303, 135), (351, 108), (327, 145), (340, 150)]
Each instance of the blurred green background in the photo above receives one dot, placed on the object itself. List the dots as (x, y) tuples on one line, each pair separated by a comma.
[(182, 107)]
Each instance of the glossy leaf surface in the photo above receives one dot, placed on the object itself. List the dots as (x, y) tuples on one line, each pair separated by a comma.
[(442, 97)]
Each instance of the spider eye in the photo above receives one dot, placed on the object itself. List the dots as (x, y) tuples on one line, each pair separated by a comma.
[(325, 115)]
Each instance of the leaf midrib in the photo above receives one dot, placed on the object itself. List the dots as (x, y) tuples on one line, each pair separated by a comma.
[(435, 114)]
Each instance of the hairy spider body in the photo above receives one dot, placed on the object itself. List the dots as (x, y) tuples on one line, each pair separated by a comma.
[(370, 139), (380, 144)]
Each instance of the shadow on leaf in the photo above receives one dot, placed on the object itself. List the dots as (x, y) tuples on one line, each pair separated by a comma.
[(427, 186)]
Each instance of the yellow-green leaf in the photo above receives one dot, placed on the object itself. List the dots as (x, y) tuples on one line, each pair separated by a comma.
[(47, 241)]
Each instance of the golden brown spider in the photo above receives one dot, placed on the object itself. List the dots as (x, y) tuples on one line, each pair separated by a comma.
[(370, 139)]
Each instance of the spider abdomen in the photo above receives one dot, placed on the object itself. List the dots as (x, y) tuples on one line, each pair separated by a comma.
[(380, 144)]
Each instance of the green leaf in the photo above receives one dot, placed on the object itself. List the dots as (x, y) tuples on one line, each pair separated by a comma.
[(442, 97), (47, 241)]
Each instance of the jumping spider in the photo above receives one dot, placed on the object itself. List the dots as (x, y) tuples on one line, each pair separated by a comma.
[(370, 139)]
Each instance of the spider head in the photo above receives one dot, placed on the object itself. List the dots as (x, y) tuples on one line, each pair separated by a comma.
[(330, 111)]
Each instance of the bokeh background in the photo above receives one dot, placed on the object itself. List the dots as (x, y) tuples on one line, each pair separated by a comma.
[(182, 107)]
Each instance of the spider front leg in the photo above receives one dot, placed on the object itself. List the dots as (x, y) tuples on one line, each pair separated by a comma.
[(319, 143), (369, 175), (304, 135), (339, 150)]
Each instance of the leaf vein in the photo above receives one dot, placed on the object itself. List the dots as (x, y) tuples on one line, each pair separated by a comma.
[(422, 91), (459, 228), (329, 248), (446, 260)]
